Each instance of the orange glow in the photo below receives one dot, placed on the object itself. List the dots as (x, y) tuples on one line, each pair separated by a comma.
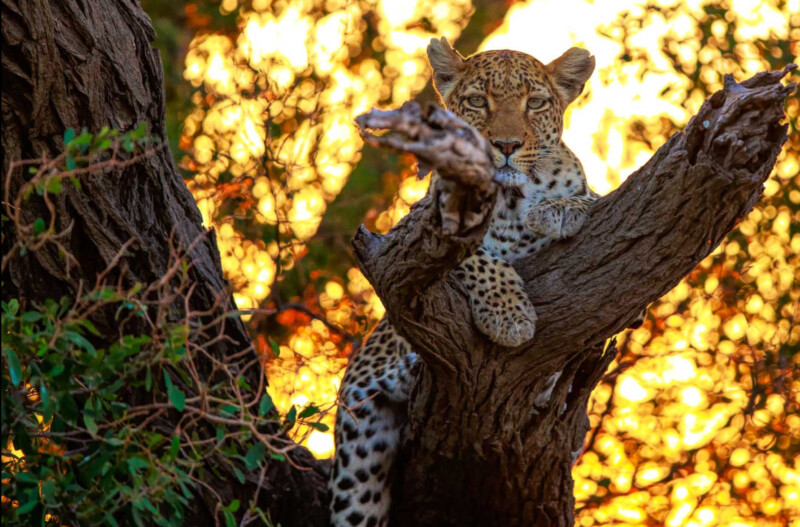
[(680, 443)]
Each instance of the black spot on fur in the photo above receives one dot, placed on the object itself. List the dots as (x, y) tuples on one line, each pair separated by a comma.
[(362, 475), (355, 518), (340, 503), (346, 484)]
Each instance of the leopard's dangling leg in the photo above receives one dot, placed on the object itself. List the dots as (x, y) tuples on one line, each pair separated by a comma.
[(368, 427), (500, 306)]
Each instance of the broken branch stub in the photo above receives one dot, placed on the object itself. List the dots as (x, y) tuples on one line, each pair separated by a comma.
[(439, 138), (448, 224)]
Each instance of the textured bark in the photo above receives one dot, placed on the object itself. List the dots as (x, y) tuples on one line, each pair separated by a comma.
[(490, 443), (90, 63)]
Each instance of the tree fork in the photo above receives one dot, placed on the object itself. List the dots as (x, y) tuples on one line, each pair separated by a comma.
[(494, 431)]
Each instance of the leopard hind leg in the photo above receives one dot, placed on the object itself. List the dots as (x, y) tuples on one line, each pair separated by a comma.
[(368, 429)]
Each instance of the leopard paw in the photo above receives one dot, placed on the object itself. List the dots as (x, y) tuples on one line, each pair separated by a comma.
[(508, 323), (554, 220)]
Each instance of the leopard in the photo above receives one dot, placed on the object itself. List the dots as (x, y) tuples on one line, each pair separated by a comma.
[(517, 103)]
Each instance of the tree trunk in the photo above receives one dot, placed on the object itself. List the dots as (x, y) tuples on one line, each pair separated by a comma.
[(90, 63), (495, 431)]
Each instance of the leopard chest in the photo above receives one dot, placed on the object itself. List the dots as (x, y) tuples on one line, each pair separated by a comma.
[(507, 236)]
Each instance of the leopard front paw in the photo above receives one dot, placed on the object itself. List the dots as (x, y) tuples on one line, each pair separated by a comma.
[(509, 323), (555, 220)]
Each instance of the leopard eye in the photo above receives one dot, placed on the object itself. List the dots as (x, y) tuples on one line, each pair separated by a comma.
[(535, 103), (477, 101)]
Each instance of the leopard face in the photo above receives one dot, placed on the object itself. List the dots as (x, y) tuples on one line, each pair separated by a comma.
[(518, 104)]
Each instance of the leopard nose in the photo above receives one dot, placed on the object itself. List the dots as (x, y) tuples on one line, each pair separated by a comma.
[(506, 146)]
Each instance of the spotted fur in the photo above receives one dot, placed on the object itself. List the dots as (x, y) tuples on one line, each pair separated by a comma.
[(518, 104)]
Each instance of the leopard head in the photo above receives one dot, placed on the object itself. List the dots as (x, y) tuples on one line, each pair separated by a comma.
[(514, 100)]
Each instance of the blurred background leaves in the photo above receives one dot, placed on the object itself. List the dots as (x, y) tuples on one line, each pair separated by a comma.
[(697, 422)]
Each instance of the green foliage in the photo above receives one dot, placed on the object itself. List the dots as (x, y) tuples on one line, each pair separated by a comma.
[(76, 456), (76, 447), (106, 418)]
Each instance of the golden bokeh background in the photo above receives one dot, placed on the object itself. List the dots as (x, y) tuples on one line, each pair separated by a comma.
[(698, 421)]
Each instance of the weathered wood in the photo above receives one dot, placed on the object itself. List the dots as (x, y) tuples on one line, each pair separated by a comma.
[(494, 431), (91, 63)]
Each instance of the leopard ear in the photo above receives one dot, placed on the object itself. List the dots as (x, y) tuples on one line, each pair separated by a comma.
[(570, 72), (446, 63)]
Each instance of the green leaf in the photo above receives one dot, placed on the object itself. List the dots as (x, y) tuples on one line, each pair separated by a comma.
[(12, 307), (135, 463), (70, 162), (39, 226), (275, 348), (84, 139), (69, 135), (56, 371), (174, 446), (31, 316), (308, 411), (53, 185), (254, 456), (49, 491), (25, 477), (80, 341), (103, 144), (28, 506), (265, 405), (291, 416), (90, 327), (232, 506), (141, 130), (176, 396), (47, 409), (229, 410), (90, 423), (14, 368), (239, 475), (322, 427), (230, 520), (68, 408)]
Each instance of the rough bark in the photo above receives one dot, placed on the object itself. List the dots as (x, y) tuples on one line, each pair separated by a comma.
[(91, 63), (494, 431)]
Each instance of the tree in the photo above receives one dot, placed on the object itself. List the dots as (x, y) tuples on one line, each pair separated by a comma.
[(66, 68), (494, 432)]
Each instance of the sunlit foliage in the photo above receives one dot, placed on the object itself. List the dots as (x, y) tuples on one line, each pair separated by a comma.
[(697, 423)]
